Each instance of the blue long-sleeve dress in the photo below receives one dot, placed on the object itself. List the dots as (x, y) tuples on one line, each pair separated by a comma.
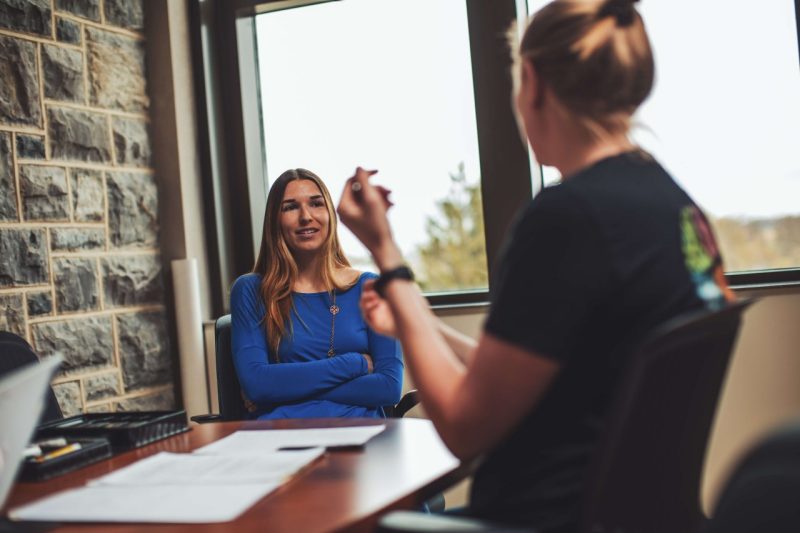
[(306, 383)]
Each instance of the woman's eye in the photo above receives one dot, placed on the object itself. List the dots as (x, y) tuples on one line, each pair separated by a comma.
[(317, 203), (288, 207)]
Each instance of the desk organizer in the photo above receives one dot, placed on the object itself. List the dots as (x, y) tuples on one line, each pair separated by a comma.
[(91, 451), (123, 430)]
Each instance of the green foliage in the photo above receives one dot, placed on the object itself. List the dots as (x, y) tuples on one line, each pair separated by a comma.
[(454, 256)]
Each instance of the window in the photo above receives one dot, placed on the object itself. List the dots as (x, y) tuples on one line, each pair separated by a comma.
[(417, 88), (723, 119), (373, 83)]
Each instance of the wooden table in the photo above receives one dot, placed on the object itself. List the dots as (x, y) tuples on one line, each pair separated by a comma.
[(342, 491)]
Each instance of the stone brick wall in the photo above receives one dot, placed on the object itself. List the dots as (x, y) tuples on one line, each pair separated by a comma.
[(80, 270)]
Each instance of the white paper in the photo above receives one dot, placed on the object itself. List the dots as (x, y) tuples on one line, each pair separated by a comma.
[(250, 442), (189, 469), (175, 504)]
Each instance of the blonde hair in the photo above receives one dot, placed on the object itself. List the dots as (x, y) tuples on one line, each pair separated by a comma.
[(595, 56), (276, 264)]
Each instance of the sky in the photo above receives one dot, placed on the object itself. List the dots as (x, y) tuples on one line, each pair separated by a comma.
[(364, 82), (373, 83)]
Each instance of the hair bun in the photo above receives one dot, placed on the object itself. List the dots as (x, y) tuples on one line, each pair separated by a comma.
[(622, 10)]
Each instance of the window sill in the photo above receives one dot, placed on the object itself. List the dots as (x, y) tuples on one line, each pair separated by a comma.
[(764, 279)]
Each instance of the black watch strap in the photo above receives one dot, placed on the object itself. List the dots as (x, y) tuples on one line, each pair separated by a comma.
[(401, 272)]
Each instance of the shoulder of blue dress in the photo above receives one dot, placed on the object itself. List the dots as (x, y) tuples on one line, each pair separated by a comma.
[(251, 279), (245, 285)]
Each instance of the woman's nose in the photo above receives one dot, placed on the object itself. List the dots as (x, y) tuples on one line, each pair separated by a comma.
[(305, 214)]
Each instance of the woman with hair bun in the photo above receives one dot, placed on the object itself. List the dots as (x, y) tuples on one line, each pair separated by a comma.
[(591, 265), (300, 345)]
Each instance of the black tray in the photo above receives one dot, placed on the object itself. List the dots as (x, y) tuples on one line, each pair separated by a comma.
[(123, 430), (91, 451)]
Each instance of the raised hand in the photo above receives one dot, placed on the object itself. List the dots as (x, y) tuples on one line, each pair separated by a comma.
[(363, 210)]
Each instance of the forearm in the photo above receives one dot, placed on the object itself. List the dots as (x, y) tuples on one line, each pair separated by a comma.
[(462, 345), (435, 368), (274, 383), (374, 390)]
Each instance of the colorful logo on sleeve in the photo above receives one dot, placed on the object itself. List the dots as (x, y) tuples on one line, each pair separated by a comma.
[(702, 258)]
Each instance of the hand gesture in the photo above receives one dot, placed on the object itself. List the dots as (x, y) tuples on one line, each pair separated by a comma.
[(363, 209), (376, 311)]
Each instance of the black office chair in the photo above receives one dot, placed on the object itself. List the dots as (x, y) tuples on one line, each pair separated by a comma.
[(762, 494), (231, 405), (645, 475), (15, 352)]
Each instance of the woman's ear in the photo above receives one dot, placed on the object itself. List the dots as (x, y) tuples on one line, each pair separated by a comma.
[(533, 86)]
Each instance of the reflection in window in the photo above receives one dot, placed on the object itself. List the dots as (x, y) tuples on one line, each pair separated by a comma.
[(723, 119), (374, 83)]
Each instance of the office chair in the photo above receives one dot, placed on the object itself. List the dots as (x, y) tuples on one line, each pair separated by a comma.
[(645, 474), (762, 494), (231, 405), (15, 352)]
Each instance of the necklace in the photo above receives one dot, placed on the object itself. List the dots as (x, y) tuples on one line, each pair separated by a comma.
[(334, 310)]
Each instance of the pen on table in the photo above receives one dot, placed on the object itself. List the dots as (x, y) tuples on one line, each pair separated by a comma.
[(69, 448)]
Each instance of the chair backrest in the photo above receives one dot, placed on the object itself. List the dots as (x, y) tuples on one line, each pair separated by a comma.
[(646, 473), (762, 493), (229, 391)]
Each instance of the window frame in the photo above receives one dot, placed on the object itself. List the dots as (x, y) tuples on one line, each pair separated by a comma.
[(233, 163)]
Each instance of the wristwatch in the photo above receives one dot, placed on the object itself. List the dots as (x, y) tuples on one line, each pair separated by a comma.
[(401, 272)]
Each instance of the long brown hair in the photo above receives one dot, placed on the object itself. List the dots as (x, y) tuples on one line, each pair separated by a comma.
[(596, 57), (276, 264)]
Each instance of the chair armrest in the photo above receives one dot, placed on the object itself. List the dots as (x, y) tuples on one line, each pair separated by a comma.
[(406, 403), (203, 419)]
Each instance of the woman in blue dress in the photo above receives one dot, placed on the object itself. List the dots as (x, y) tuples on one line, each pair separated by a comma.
[(300, 345)]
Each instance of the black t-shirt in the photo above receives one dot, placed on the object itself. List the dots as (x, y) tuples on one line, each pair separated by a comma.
[(591, 266)]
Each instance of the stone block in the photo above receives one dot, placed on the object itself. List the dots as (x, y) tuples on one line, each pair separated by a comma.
[(69, 398), (88, 196), (116, 71), (39, 303), (132, 280), (132, 142), (89, 9), (12, 314), (76, 284), (68, 31), (8, 190), (102, 386), (23, 257), (84, 343), (101, 408), (19, 83), (158, 401), (44, 192), (78, 135), (125, 13), (144, 349), (77, 239), (63, 73), (26, 16), (132, 209), (30, 146)]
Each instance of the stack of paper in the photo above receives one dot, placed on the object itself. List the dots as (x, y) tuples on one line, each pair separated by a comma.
[(217, 483), (174, 488)]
